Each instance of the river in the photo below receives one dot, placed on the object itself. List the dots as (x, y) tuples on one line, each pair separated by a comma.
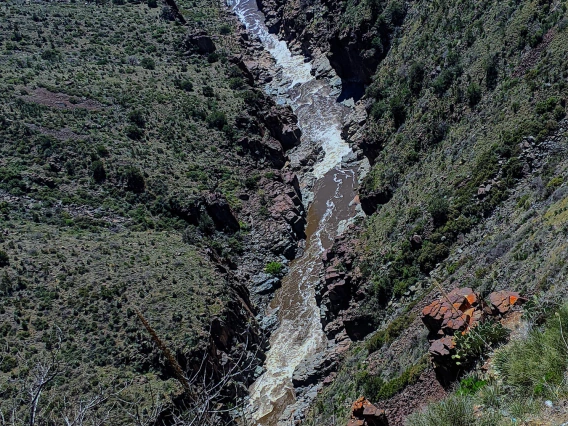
[(320, 118)]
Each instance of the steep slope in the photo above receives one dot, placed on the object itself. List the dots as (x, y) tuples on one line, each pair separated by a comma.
[(138, 175), (466, 107)]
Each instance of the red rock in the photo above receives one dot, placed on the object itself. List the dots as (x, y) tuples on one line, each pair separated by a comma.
[(363, 413), (502, 301), (454, 312), (359, 406), (442, 347)]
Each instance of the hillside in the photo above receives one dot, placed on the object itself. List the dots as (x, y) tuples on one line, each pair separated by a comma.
[(466, 135), (156, 186), (127, 185)]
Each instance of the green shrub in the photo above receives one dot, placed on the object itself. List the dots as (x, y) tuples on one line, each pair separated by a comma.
[(98, 171), (388, 334), (415, 77), (377, 389), (208, 91), (137, 117), (473, 94), (134, 180), (491, 73), (537, 365), (470, 385), (431, 254), (274, 268), (4, 259), (454, 411), (478, 341), (148, 63), (184, 85), (152, 3), (446, 79), (217, 119), (134, 132), (50, 55), (213, 57)]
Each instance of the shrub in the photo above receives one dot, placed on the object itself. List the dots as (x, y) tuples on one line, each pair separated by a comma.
[(415, 77), (50, 55), (388, 334), (152, 4), (445, 79), (455, 411), (377, 389), (148, 63), (134, 180), (137, 117), (216, 119), (478, 341), (431, 254), (98, 170), (274, 268), (213, 57), (470, 385), (537, 365), (397, 106), (473, 94), (208, 91), (438, 207), (225, 29), (491, 73), (4, 259), (236, 83), (134, 132), (184, 85)]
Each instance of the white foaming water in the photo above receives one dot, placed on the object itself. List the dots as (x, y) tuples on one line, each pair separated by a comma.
[(295, 69), (321, 121), (300, 333)]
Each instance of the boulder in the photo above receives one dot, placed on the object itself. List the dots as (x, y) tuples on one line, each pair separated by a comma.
[(220, 211), (454, 312), (364, 413), (502, 301), (416, 242), (200, 42)]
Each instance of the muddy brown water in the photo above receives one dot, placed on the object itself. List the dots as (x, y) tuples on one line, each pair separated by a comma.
[(299, 334)]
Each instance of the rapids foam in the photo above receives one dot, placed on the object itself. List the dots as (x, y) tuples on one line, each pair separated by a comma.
[(300, 334)]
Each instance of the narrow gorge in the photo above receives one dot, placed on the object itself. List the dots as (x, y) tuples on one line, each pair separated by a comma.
[(329, 188)]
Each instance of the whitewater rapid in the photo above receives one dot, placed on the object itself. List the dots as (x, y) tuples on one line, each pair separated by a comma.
[(320, 117)]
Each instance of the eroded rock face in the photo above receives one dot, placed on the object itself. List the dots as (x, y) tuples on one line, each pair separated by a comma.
[(363, 413), (220, 211), (502, 301), (199, 42), (454, 312), (457, 312)]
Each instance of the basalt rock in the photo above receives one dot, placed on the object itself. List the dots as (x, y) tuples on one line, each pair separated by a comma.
[(220, 211), (502, 301), (454, 312), (371, 200), (363, 413), (283, 126), (199, 42), (457, 312)]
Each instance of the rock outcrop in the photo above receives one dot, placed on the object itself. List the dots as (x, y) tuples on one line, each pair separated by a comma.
[(200, 42), (363, 413), (459, 311)]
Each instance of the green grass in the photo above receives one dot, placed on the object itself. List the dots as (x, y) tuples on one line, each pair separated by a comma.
[(537, 366)]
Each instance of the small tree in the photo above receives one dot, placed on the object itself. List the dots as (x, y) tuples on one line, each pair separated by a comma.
[(98, 169), (4, 259), (473, 94)]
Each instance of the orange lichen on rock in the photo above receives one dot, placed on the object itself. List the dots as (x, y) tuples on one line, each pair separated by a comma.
[(363, 413)]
